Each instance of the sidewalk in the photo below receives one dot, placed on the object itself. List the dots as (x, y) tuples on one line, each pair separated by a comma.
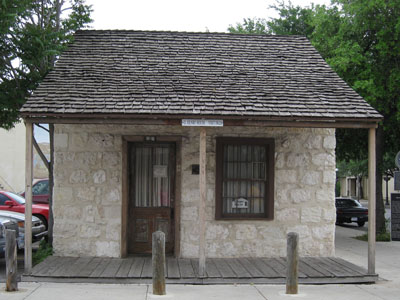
[(387, 265)]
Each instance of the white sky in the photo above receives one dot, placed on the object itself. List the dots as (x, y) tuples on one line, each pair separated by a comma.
[(181, 15)]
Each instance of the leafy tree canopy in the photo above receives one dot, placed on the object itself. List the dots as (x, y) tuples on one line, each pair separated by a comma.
[(360, 40), (32, 35)]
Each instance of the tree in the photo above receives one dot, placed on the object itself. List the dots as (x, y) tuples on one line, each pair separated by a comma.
[(356, 168), (293, 20), (33, 33), (359, 39)]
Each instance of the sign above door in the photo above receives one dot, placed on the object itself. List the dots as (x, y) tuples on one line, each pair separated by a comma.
[(202, 122)]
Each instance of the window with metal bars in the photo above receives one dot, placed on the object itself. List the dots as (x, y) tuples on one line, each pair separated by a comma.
[(245, 178)]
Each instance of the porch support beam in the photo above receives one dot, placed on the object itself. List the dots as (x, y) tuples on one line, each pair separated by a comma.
[(202, 203), (372, 200), (28, 196), (42, 156)]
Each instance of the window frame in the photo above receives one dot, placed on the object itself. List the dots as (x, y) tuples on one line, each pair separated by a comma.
[(269, 143)]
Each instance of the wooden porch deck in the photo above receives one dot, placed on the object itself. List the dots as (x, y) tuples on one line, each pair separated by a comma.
[(312, 270)]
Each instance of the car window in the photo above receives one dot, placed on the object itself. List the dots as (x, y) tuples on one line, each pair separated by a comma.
[(41, 188), (347, 203), (17, 198), (3, 199)]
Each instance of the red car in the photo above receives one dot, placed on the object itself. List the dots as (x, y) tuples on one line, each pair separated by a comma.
[(40, 191), (13, 202)]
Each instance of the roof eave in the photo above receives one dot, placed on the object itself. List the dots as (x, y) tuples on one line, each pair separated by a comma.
[(229, 120)]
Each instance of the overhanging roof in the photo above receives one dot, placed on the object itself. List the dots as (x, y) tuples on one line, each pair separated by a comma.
[(120, 75)]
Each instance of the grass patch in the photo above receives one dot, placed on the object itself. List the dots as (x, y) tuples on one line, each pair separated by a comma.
[(44, 251), (380, 237)]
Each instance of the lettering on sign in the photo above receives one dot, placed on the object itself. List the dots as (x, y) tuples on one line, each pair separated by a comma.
[(202, 122)]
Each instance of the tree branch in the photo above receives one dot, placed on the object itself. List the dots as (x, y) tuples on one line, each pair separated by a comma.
[(44, 128)]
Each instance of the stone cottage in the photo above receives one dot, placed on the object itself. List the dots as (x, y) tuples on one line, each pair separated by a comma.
[(142, 117)]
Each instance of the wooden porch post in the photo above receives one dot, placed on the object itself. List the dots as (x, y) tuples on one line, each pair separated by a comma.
[(28, 195), (371, 201), (202, 204)]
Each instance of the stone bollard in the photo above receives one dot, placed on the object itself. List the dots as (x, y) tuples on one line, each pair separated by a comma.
[(292, 271), (11, 261), (158, 261)]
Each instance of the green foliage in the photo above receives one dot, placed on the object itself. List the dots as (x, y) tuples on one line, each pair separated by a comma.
[(353, 167), (380, 237), (44, 251), (293, 20), (250, 26), (32, 36), (360, 40)]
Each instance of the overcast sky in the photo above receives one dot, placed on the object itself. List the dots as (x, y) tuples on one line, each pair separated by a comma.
[(181, 15)]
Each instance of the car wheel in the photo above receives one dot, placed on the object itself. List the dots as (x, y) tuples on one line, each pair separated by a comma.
[(360, 223), (43, 219)]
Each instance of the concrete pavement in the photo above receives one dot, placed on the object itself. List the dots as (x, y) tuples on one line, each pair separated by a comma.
[(387, 264)]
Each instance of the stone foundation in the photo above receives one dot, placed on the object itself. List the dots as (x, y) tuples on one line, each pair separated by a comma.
[(88, 192)]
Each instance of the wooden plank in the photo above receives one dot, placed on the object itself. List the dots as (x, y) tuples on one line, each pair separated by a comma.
[(74, 269), (276, 266), (136, 268), (351, 271), (90, 267), (101, 266), (202, 202), (308, 270), (134, 119), (28, 196), (223, 268), (310, 261), (372, 200), (173, 268), (112, 268), (43, 265), (240, 271), (65, 262), (125, 267), (147, 271), (350, 265), (195, 266), (185, 268), (251, 267), (333, 268), (212, 270), (265, 269)]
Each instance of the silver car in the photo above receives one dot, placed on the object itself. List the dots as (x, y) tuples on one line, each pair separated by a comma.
[(38, 228)]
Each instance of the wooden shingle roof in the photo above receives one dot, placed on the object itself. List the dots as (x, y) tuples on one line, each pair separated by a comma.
[(118, 72)]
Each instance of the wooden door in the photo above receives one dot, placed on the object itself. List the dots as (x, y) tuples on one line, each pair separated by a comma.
[(151, 195)]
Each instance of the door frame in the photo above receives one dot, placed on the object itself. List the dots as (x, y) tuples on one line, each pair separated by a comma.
[(125, 187)]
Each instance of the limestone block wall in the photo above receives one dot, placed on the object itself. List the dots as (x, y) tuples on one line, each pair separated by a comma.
[(87, 199)]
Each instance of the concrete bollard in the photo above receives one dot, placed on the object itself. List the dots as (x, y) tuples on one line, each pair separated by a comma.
[(292, 271), (158, 261), (11, 261)]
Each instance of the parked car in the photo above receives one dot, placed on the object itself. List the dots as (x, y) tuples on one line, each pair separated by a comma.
[(40, 191), (6, 223), (12, 202), (38, 229), (350, 210)]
